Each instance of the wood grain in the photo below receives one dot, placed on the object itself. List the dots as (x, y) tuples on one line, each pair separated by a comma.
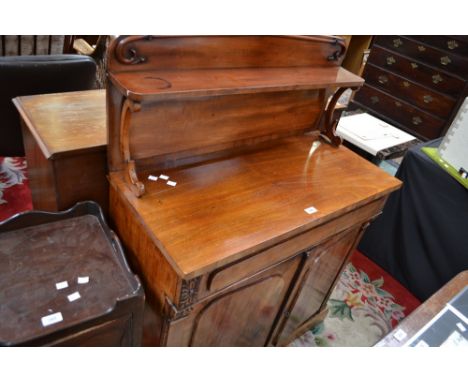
[(65, 144), (223, 210), (65, 123)]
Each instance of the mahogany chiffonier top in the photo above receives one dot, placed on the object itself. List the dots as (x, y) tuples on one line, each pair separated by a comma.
[(225, 209), (65, 122)]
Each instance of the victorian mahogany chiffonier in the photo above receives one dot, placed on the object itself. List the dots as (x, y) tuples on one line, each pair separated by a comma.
[(237, 211)]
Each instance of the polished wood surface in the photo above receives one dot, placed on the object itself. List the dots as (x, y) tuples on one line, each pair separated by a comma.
[(65, 143), (136, 53), (172, 84), (427, 311), (67, 245), (222, 210), (225, 254), (65, 123)]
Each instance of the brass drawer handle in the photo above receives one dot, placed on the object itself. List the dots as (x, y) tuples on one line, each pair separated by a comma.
[(428, 99), (416, 120), (397, 42), (374, 99), (421, 48), (452, 44), (445, 60), (383, 79), (397, 104), (414, 65), (390, 60), (406, 84), (436, 78)]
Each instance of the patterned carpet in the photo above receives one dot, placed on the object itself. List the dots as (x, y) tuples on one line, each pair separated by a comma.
[(365, 304)]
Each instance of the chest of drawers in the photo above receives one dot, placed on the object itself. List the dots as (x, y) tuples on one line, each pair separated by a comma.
[(415, 83)]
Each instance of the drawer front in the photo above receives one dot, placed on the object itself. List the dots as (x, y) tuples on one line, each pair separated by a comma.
[(410, 91), (451, 44), (423, 74), (247, 268), (395, 110), (452, 63)]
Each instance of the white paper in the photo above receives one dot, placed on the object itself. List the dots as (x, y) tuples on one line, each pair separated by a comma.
[(62, 285), (461, 327), (369, 133), (400, 334), (422, 344), (51, 319), (83, 280), (171, 183), (153, 178), (165, 177), (74, 296), (311, 210), (455, 339)]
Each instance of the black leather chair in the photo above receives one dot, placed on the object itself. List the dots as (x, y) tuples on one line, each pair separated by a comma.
[(28, 75)]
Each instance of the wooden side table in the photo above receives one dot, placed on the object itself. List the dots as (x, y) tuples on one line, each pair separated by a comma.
[(424, 313), (64, 281), (65, 143)]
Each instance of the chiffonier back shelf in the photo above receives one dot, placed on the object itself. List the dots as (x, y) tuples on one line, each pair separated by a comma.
[(175, 100)]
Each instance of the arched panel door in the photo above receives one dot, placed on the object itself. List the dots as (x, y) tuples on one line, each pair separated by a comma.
[(244, 315)]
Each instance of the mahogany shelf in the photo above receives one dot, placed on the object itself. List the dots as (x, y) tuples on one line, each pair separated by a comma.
[(152, 85)]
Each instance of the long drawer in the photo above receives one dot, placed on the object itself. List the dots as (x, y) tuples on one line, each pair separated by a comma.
[(452, 44), (399, 112), (444, 60), (428, 100), (423, 74)]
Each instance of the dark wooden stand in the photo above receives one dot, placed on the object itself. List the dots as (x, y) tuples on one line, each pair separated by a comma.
[(40, 249), (229, 256)]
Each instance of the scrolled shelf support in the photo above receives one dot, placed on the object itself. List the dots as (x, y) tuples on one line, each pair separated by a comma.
[(129, 107), (128, 55), (329, 128)]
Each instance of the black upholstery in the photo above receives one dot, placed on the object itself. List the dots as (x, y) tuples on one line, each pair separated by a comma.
[(28, 75)]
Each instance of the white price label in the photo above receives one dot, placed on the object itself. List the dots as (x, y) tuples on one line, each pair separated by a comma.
[(171, 183), (165, 177), (74, 296), (51, 319), (62, 285), (83, 280), (311, 210)]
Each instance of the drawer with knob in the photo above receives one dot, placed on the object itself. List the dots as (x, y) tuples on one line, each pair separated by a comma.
[(399, 113), (449, 62), (451, 44), (433, 102), (416, 71)]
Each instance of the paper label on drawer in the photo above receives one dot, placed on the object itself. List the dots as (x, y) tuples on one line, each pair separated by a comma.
[(62, 285), (171, 183), (311, 210), (51, 319), (400, 334), (153, 178), (165, 177), (74, 296), (83, 280)]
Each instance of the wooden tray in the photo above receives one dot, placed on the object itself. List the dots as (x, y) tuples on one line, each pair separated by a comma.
[(39, 250)]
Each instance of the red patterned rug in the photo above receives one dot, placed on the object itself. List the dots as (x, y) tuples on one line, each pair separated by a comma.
[(364, 306), (15, 195)]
